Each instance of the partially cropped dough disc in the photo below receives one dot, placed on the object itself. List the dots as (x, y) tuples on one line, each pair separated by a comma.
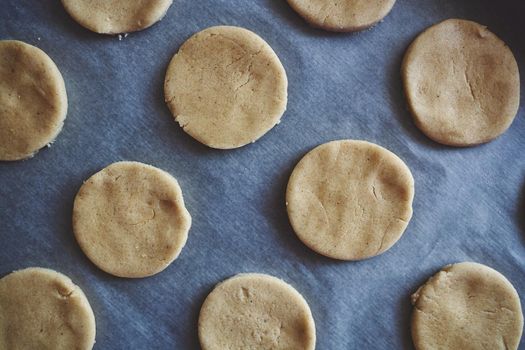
[(342, 15), (117, 16), (350, 200), (226, 87), (33, 100), (462, 83), (467, 306), (130, 219), (257, 312), (43, 309)]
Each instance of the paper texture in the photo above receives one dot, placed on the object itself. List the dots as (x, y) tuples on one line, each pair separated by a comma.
[(469, 203)]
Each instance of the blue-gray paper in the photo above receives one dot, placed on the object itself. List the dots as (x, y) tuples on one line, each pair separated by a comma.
[(469, 204)]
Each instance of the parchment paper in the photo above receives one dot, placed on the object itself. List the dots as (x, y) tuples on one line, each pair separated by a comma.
[(469, 204)]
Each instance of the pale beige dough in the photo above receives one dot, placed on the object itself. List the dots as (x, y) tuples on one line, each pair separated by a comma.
[(467, 306), (350, 200), (462, 83), (130, 219), (256, 311), (116, 16), (226, 87), (33, 100), (43, 309), (342, 15)]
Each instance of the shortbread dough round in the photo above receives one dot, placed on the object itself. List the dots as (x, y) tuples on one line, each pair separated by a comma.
[(350, 200), (43, 309), (226, 87), (33, 100), (116, 16), (342, 15), (130, 219), (256, 311), (467, 306), (462, 83)]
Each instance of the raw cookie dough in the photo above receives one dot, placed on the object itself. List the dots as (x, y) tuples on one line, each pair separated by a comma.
[(43, 309), (467, 306), (116, 16), (130, 219), (462, 83), (226, 87), (350, 200), (256, 311), (342, 15), (33, 100)]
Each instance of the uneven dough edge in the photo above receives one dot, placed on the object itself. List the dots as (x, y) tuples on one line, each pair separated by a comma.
[(315, 23), (62, 92), (337, 256), (96, 28), (415, 297), (263, 276), (184, 212), (80, 295), (410, 99), (168, 96)]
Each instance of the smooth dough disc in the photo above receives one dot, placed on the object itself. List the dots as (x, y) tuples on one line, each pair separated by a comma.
[(33, 100), (116, 16), (43, 309), (462, 83), (226, 87), (130, 219), (342, 15), (467, 306), (256, 311), (350, 200)]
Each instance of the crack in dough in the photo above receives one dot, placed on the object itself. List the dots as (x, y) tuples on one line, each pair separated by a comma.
[(141, 223), (33, 100), (350, 200), (43, 309), (229, 86), (117, 16), (462, 83), (342, 15), (467, 306)]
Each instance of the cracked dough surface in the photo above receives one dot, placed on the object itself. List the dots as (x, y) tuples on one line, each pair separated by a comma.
[(130, 219), (467, 306), (116, 16), (226, 87), (462, 83), (342, 15), (33, 100), (256, 311), (350, 200), (43, 309)]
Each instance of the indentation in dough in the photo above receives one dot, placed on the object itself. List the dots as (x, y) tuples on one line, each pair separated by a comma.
[(245, 294), (136, 214), (64, 291), (374, 192)]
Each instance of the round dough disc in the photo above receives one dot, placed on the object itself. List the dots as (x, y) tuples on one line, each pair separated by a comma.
[(462, 83), (350, 200), (342, 15), (226, 87), (43, 309), (116, 16), (33, 100), (467, 306), (130, 219), (256, 311)]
